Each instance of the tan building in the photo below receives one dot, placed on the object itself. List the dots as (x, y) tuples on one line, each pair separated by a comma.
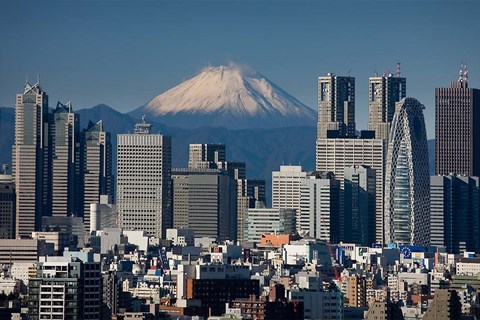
[(446, 305), (357, 291)]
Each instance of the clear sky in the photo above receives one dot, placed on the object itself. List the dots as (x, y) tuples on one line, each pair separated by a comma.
[(123, 53)]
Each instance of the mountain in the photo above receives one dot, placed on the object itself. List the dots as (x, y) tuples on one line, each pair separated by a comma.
[(227, 96)]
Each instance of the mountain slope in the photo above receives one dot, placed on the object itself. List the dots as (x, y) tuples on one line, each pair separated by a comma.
[(227, 96)]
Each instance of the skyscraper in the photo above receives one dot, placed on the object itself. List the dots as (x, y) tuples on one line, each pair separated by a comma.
[(144, 197), (97, 166), (336, 106), (286, 189), (457, 128), (261, 220), (206, 155), (336, 155), (407, 182), (7, 206), (454, 212), (205, 200), (320, 206), (28, 154), (359, 199), (384, 92), (65, 185), (249, 191)]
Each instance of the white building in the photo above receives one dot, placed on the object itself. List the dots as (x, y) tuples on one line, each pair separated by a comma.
[(144, 164), (181, 237), (262, 221), (468, 266), (103, 214), (319, 304), (286, 189)]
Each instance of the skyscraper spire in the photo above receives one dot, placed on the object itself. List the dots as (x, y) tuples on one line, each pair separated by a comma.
[(465, 72), (460, 73)]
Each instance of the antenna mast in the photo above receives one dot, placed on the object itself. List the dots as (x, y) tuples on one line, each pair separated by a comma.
[(398, 69)]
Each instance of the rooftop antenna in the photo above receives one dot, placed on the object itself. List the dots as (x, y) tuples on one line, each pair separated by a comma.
[(38, 80), (26, 79), (349, 70), (398, 69), (465, 72), (460, 73), (376, 73)]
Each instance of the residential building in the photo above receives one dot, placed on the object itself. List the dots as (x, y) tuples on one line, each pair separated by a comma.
[(320, 206), (385, 310), (336, 106), (357, 291), (144, 197), (454, 208), (457, 128), (359, 202), (445, 305), (384, 92), (407, 181)]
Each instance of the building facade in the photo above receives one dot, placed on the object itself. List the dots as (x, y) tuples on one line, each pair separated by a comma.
[(29, 170), (7, 207), (359, 200), (261, 220), (336, 106), (457, 129), (454, 208), (144, 198), (384, 92), (337, 154), (407, 181), (320, 206)]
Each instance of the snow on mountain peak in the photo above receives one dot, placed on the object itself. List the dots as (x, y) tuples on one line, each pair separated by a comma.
[(229, 90)]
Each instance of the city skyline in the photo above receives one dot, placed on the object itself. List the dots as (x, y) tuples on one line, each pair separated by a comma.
[(154, 59)]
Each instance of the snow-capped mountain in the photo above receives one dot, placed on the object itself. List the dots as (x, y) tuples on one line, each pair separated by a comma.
[(227, 96)]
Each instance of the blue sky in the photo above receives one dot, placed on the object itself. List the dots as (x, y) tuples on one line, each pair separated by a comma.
[(123, 53)]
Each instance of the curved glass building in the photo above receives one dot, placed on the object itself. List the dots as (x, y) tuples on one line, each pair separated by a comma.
[(407, 180)]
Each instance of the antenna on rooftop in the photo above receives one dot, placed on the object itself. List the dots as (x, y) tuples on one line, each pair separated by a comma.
[(460, 73), (398, 69), (465, 72)]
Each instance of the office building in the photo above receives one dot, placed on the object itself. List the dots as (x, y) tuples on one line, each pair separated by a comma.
[(206, 155), (454, 213), (65, 288), (23, 250), (320, 206), (407, 181), (65, 185), (457, 129), (97, 166), (359, 204), (337, 154), (73, 226), (102, 215), (29, 151), (205, 200), (144, 162), (384, 92), (249, 191), (7, 207), (261, 220), (286, 189), (336, 106)]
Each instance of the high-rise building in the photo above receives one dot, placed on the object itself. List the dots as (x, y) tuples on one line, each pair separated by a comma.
[(446, 304), (29, 153), (384, 92), (144, 197), (97, 166), (205, 200), (407, 181), (457, 129), (320, 206), (7, 207), (359, 204), (454, 208), (261, 220), (249, 191), (286, 189), (357, 291), (64, 169), (206, 155), (65, 288), (336, 106), (337, 154)]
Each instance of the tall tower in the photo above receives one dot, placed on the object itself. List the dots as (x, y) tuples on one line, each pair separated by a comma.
[(206, 155), (65, 192), (457, 128), (407, 182), (97, 166), (384, 92), (144, 195), (29, 155), (336, 106)]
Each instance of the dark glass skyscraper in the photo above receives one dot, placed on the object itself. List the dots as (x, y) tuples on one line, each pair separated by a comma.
[(457, 129)]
